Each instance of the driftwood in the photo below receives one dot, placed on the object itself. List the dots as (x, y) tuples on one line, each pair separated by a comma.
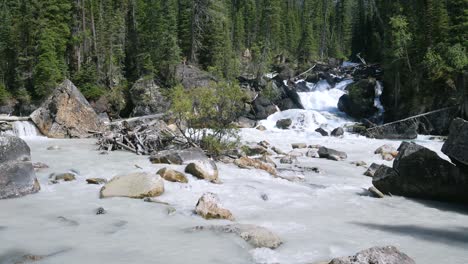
[(142, 136), (7, 118)]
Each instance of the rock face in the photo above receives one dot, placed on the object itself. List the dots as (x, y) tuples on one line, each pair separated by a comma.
[(456, 146), (359, 102), (203, 169), (135, 185), (17, 176), (172, 175), (256, 236), (147, 98), (66, 114), (376, 255), (419, 172), (331, 154), (178, 157), (209, 207)]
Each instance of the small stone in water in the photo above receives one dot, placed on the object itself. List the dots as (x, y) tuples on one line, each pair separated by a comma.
[(171, 210), (101, 211), (264, 197)]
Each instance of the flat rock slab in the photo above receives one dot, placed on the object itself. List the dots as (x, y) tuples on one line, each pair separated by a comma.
[(135, 185)]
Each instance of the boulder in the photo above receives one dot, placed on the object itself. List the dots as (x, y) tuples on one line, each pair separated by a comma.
[(372, 169), (17, 176), (337, 132), (419, 172), (256, 236), (456, 146), (178, 157), (376, 255), (244, 122), (284, 123), (299, 145), (209, 207), (246, 163), (172, 175), (134, 185), (331, 154), (203, 169), (395, 131), (322, 132), (192, 77), (359, 102), (147, 98), (66, 114), (312, 153)]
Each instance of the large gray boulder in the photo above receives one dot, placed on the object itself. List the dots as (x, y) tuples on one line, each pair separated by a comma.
[(376, 255), (17, 176), (359, 102), (419, 172), (331, 154), (147, 98), (66, 114), (456, 146)]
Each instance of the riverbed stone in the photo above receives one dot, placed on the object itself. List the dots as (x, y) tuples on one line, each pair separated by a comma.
[(172, 175), (261, 128), (331, 154), (209, 207), (134, 185), (284, 123), (299, 145), (337, 132), (203, 169), (178, 157), (17, 176), (66, 114), (376, 255), (246, 163), (97, 181)]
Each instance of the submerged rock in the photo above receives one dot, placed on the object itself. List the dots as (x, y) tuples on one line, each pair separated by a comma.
[(261, 128), (17, 176), (172, 175), (209, 207), (337, 132), (147, 98), (101, 211), (97, 181), (284, 123), (178, 157), (203, 169), (66, 114), (376, 255), (331, 154), (55, 178), (246, 163), (256, 236), (419, 172), (134, 185)]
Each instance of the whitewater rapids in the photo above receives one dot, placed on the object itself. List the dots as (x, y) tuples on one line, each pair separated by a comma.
[(326, 216)]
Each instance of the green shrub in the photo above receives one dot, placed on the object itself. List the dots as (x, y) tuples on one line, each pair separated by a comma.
[(205, 115), (4, 94)]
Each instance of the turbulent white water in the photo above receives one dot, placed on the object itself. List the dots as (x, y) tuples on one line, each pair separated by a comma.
[(325, 216), (25, 129)]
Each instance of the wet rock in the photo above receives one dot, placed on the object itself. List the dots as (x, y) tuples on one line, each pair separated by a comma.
[(359, 163), (247, 163), (147, 98), (372, 169), (387, 152), (264, 197), (284, 123), (331, 154), (203, 169), (261, 128), (288, 160), (178, 157), (55, 178), (66, 114), (244, 122), (134, 185), (299, 145), (54, 148), (375, 192), (278, 151), (264, 144), (359, 102), (17, 176), (337, 132), (256, 236), (101, 211), (322, 132), (172, 175), (376, 255), (67, 221), (97, 181), (171, 210), (456, 146), (209, 207), (312, 153), (254, 150), (419, 172)]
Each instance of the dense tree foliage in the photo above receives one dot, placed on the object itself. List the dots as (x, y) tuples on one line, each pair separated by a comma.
[(106, 45)]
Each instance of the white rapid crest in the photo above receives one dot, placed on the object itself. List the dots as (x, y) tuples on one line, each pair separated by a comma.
[(25, 129)]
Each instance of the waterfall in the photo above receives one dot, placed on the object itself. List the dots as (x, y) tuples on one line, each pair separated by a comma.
[(377, 102), (25, 129)]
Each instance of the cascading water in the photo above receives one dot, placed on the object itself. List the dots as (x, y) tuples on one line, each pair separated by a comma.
[(25, 129)]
